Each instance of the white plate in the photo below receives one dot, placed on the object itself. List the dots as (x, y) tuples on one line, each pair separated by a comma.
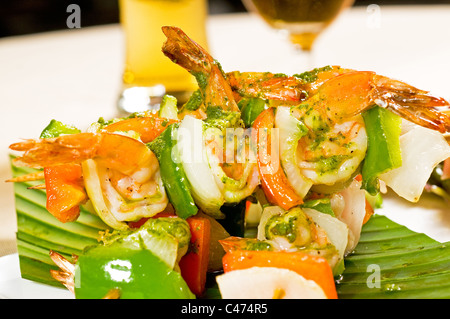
[(430, 216), (12, 286)]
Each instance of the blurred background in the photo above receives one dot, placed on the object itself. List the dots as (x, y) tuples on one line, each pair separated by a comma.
[(19, 17)]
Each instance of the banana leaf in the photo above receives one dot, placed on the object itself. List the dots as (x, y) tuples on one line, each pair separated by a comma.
[(38, 231), (391, 261)]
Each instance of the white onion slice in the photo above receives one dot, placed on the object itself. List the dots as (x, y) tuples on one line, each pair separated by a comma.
[(353, 212), (422, 149), (337, 231), (289, 134), (95, 194), (267, 283), (205, 191), (268, 212)]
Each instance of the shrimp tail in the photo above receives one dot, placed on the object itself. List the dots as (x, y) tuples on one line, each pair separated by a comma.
[(66, 273), (422, 115), (185, 52), (405, 94), (68, 149), (411, 103)]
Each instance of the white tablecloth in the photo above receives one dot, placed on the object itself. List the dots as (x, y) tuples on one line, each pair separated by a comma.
[(74, 76)]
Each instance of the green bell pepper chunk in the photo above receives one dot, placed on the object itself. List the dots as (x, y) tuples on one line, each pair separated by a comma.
[(168, 108), (172, 174), (56, 128), (250, 109), (383, 152), (138, 274), (322, 205)]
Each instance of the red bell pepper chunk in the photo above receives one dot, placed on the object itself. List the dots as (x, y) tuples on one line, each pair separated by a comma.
[(65, 191), (167, 212), (194, 265), (273, 179)]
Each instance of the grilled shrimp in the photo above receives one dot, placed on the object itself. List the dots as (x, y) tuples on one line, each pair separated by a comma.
[(325, 154), (120, 174), (352, 93), (281, 87), (106, 148)]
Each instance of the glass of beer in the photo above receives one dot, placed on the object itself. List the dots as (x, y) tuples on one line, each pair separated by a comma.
[(303, 20), (148, 74)]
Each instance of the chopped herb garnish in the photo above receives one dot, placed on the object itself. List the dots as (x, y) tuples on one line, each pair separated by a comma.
[(311, 76)]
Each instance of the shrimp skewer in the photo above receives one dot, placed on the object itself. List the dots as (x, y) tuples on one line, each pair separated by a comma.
[(281, 87), (235, 180), (107, 148), (322, 137), (334, 140), (327, 103), (342, 93), (120, 173), (322, 134)]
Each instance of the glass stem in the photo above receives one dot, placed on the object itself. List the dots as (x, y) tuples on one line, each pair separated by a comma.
[(306, 60), (309, 59)]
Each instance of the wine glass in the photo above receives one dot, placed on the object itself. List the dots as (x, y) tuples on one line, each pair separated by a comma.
[(303, 20)]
